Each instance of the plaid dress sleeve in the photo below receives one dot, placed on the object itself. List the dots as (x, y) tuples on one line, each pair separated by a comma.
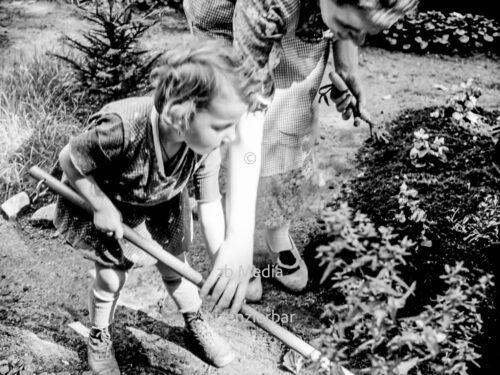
[(98, 146), (206, 178), (258, 26)]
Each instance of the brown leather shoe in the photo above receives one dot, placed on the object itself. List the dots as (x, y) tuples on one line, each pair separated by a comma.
[(100, 352), (206, 342)]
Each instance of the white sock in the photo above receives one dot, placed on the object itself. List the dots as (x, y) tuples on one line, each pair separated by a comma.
[(102, 308)]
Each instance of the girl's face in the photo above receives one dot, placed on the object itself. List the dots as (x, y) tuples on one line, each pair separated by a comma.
[(347, 21), (216, 125)]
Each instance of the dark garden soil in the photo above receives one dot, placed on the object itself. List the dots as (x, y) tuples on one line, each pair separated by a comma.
[(450, 193), (44, 283)]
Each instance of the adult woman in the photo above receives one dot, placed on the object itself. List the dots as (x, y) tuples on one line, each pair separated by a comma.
[(284, 44)]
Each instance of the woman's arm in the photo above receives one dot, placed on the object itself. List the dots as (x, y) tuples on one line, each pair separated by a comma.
[(346, 65), (106, 217), (346, 60)]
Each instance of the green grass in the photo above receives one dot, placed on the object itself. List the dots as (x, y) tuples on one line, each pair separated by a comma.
[(38, 114)]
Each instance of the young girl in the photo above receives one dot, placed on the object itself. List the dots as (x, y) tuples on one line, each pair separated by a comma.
[(132, 166)]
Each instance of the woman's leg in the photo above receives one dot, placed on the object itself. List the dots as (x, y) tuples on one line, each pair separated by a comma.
[(283, 198)]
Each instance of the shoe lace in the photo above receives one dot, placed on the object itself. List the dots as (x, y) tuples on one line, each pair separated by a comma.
[(101, 343), (192, 316), (198, 328)]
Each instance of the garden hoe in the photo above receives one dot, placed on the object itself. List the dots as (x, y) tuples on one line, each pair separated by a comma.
[(195, 277)]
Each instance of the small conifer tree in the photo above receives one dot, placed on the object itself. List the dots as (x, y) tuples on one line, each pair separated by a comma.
[(110, 65)]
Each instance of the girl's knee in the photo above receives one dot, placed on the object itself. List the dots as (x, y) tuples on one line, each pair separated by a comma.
[(109, 280)]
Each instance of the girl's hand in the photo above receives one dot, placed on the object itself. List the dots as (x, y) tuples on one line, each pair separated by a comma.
[(108, 219), (228, 282)]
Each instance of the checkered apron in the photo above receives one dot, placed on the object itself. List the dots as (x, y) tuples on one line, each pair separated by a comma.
[(291, 122)]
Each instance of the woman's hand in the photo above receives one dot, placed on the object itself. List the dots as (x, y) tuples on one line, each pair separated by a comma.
[(347, 93), (351, 100), (108, 219)]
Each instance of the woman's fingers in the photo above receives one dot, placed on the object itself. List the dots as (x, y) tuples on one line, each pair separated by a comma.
[(346, 114), (343, 102)]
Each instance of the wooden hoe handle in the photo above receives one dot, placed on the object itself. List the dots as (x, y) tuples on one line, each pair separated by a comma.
[(184, 270)]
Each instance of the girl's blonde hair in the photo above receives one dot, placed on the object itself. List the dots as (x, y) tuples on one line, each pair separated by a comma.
[(382, 13), (192, 73)]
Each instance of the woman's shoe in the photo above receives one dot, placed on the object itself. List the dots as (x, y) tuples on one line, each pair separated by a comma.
[(291, 270)]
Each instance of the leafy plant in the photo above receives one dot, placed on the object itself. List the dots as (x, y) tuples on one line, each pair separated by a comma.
[(458, 201), (461, 107), (483, 226), (111, 65), (445, 330), (293, 362), (151, 4), (412, 220), (365, 323), (436, 32), (425, 154), (362, 261)]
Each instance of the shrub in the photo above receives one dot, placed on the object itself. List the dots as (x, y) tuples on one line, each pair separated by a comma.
[(436, 32), (151, 4), (448, 207), (365, 322), (37, 115), (111, 65)]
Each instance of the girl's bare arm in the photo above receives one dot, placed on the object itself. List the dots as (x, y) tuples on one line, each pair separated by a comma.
[(107, 218)]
